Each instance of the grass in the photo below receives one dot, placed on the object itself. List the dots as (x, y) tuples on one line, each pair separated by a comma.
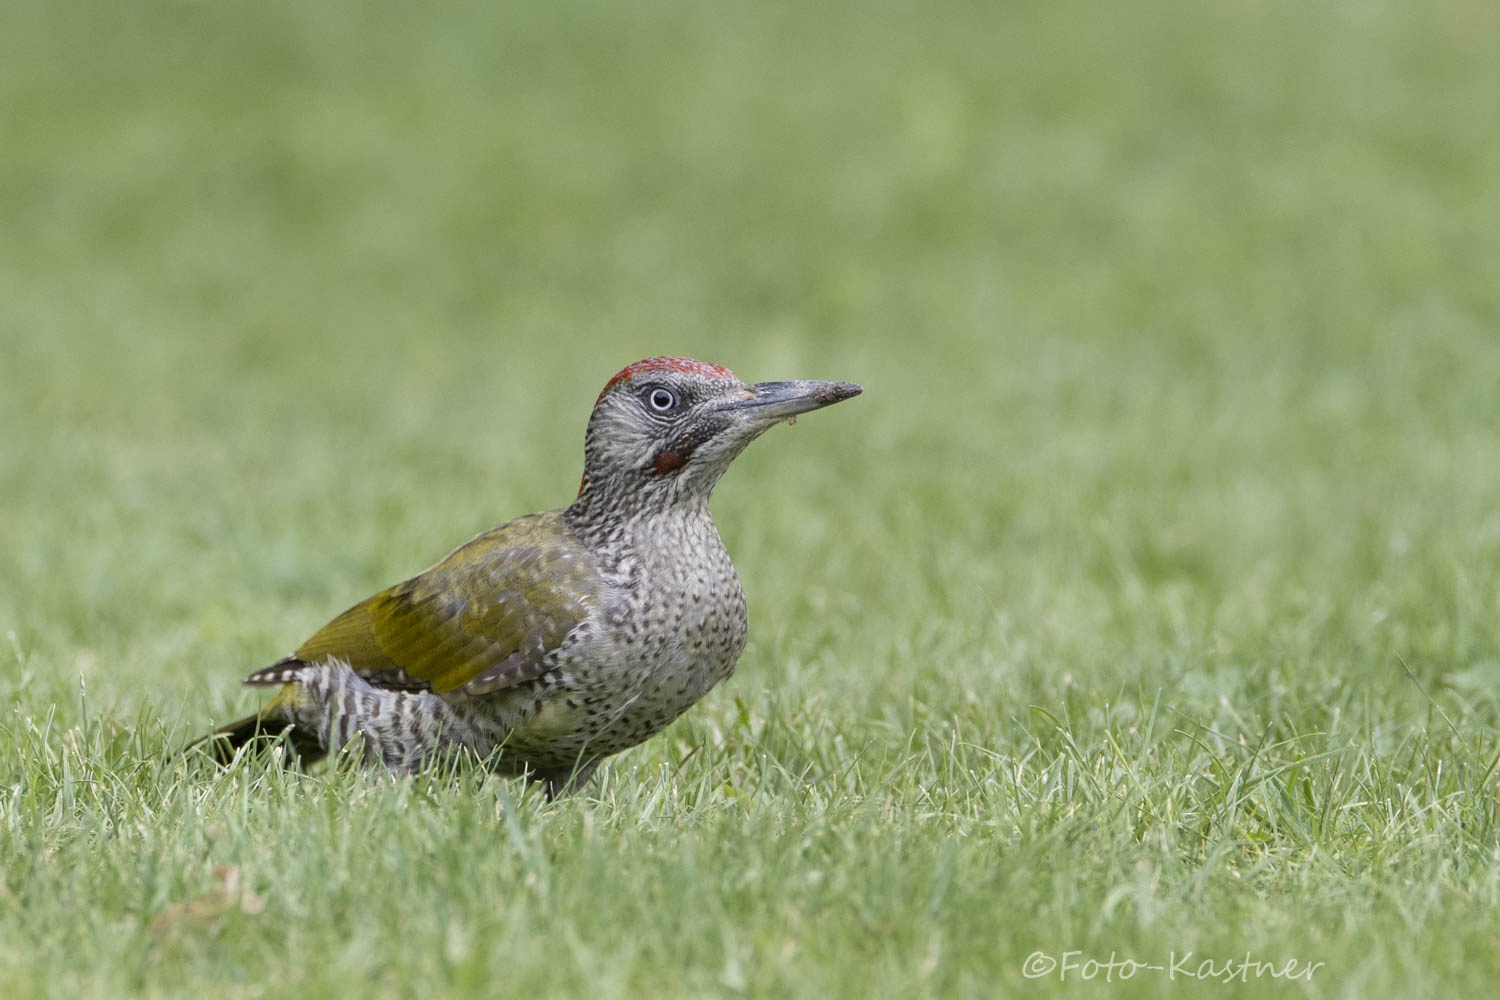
[(1145, 604)]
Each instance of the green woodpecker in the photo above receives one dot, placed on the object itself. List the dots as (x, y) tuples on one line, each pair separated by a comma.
[(555, 640)]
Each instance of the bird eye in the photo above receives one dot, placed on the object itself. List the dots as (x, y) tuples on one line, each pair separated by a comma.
[(661, 400)]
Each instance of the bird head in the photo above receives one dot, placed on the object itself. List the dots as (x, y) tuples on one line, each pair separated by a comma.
[(665, 429)]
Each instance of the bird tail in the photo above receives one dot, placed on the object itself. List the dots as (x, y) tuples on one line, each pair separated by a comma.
[(267, 728)]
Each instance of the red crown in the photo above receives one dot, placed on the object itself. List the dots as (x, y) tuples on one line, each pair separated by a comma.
[(667, 364)]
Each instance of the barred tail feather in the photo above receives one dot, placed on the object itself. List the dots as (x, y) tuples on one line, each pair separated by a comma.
[(259, 732)]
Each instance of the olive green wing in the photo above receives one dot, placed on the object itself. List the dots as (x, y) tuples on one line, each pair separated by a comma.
[(483, 619)]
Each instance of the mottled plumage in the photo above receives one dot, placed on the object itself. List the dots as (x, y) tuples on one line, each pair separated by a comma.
[(550, 642)]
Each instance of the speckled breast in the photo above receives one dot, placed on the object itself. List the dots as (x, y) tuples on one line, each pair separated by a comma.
[(672, 629)]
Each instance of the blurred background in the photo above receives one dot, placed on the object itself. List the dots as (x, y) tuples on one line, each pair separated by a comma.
[(1175, 320)]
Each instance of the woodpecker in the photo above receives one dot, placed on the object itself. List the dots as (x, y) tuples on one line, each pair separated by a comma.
[(544, 645)]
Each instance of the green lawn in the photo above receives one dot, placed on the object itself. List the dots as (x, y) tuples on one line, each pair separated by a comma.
[(1146, 603)]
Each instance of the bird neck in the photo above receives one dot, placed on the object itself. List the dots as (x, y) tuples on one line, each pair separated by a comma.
[(605, 515)]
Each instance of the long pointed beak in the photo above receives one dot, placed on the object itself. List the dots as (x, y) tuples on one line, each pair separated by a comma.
[(775, 401)]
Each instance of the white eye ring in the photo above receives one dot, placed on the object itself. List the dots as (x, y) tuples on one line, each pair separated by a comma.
[(661, 400)]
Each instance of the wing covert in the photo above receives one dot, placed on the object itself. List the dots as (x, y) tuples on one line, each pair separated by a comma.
[(482, 619)]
